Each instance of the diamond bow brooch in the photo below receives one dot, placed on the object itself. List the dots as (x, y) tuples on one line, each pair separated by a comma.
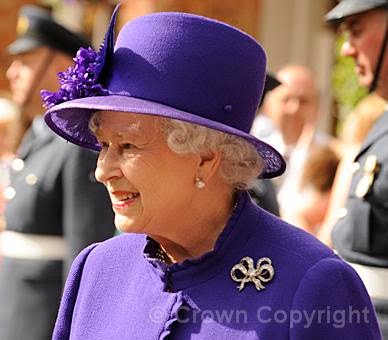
[(245, 271)]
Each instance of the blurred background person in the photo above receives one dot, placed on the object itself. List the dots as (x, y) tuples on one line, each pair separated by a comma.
[(55, 207), (311, 202), (361, 235), (9, 132), (360, 121), (289, 123), (289, 109)]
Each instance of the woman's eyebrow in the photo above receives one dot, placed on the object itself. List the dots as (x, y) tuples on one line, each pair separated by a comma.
[(133, 133), (129, 132)]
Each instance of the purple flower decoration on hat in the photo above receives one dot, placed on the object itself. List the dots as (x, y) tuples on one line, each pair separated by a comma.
[(84, 78), (79, 81)]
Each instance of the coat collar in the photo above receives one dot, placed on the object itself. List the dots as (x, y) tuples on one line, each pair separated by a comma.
[(379, 128), (228, 247)]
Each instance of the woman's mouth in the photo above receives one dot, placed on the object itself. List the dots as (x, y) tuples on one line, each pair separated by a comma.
[(122, 200)]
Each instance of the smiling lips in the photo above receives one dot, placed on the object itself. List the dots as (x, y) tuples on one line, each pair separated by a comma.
[(123, 199)]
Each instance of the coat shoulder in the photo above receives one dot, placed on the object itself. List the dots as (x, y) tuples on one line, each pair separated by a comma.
[(122, 247), (290, 244)]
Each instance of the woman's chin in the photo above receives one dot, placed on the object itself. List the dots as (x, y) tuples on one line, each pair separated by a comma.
[(125, 224)]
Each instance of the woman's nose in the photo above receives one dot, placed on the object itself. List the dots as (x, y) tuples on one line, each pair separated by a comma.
[(108, 166)]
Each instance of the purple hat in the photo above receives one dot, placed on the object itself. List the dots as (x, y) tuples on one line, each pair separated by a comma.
[(175, 65)]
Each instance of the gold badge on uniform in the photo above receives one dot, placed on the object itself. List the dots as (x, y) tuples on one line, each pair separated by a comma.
[(371, 168), (22, 25)]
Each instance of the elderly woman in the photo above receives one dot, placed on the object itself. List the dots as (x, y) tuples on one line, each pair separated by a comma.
[(169, 108)]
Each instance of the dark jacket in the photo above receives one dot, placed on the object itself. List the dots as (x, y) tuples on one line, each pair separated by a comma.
[(362, 235)]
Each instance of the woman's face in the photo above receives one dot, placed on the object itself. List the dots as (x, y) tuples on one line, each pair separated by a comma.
[(150, 186)]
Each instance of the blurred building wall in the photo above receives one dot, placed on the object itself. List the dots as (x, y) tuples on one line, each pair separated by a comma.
[(244, 15)]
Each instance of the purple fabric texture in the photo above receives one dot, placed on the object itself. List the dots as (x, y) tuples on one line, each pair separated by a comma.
[(180, 66), (117, 291)]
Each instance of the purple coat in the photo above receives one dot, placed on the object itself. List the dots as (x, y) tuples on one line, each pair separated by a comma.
[(118, 290)]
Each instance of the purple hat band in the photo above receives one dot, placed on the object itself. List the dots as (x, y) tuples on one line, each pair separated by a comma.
[(178, 66)]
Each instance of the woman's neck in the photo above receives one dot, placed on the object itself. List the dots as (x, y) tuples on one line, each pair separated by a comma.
[(198, 237)]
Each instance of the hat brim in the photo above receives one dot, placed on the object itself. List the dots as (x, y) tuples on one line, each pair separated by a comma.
[(348, 8), (70, 120), (24, 44)]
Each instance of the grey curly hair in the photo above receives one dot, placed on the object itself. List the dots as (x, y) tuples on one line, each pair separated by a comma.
[(240, 163)]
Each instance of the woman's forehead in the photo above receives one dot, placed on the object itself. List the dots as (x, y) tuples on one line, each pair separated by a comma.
[(125, 123)]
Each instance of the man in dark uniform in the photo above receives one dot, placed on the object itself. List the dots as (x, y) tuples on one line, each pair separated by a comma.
[(55, 206), (361, 236)]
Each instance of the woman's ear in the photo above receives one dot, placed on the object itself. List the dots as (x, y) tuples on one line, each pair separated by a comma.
[(208, 165)]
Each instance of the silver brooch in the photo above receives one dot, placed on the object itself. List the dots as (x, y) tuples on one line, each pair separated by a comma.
[(246, 272)]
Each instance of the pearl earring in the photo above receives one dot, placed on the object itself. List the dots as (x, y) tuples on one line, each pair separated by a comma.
[(199, 183)]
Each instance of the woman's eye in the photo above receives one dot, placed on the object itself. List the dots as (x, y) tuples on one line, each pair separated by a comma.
[(126, 146)]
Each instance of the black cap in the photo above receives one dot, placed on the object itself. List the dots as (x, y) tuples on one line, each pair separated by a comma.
[(351, 7), (270, 83), (36, 28)]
